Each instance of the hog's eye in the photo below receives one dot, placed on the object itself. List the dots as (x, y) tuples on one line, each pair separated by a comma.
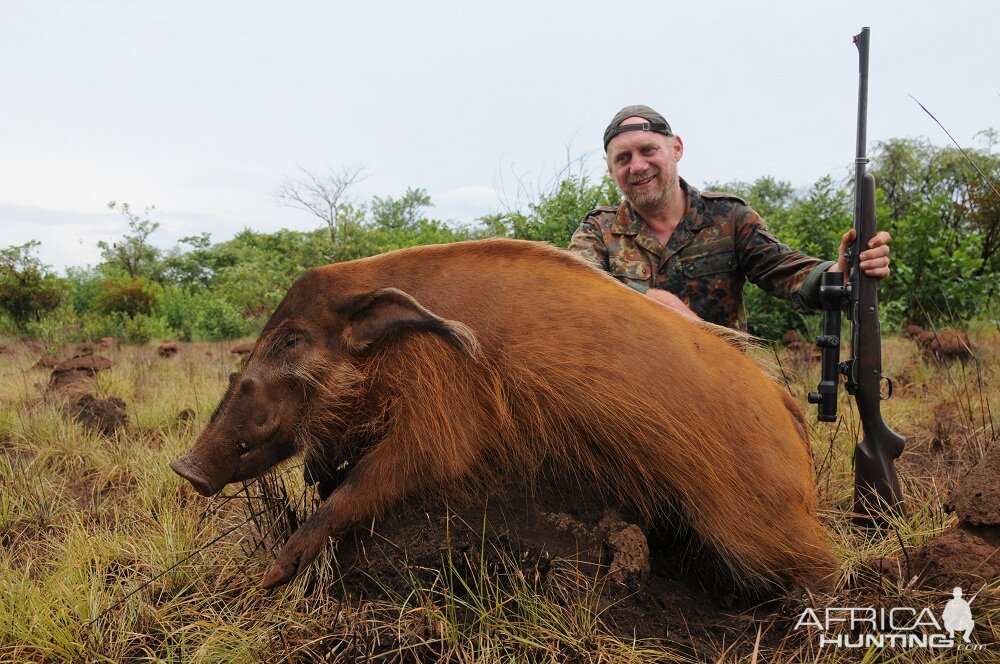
[(291, 342)]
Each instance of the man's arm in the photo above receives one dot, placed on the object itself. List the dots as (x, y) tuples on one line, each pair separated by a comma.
[(588, 243), (775, 267), (786, 273)]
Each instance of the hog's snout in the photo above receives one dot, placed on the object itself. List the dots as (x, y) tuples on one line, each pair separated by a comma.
[(190, 471)]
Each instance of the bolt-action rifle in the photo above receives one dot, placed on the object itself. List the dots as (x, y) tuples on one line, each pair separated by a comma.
[(876, 485)]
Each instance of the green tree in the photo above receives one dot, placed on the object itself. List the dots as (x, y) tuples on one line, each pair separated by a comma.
[(27, 289), (945, 221), (815, 223), (912, 172), (400, 214), (254, 270), (557, 213), (132, 254), (936, 276), (771, 198), (84, 284), (193, 266)]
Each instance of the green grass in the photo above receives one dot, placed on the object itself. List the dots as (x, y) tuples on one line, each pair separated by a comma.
[(109, 556)]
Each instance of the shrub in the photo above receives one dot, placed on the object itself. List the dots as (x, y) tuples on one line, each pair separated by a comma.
[(138, 329), (770, 317), (27, 290), (218, 319), (179, 306), (131, 296)]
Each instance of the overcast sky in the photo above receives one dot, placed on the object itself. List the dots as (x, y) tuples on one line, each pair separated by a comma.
[(201, 108)]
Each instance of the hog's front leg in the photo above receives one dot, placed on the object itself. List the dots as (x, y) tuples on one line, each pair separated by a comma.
[(372, 486), (334, 516)]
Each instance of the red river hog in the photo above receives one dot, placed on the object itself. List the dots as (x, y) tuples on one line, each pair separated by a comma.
[(438, 370)]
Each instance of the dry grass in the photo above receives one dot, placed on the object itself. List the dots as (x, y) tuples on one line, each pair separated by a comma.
[(108, 556)]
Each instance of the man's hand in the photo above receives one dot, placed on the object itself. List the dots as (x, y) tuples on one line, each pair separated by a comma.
[(874, 259), (668, 299)]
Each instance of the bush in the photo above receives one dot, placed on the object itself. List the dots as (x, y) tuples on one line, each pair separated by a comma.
[(179, 306), (130, 296), (57, 327), (557, 213), (27, 290), (138, 329), (84, 285), (218, 319), (769, 317)]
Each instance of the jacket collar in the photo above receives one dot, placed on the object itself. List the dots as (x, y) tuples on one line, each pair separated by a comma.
[(628, 221)]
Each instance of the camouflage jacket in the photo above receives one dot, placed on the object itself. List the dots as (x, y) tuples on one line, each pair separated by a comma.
[(719, 244)]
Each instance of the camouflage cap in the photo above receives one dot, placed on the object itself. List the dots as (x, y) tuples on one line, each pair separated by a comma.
[(656, 122)]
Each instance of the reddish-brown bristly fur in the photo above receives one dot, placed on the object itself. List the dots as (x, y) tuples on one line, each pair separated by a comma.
[(435, 369), (565, 366)]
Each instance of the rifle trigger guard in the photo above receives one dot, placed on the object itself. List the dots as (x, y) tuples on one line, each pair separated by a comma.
[(886, 397)]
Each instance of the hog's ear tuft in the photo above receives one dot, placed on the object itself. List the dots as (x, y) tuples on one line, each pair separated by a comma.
[(378, 314)]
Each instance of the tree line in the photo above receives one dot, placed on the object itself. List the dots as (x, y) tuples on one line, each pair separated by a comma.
[(944, 218)]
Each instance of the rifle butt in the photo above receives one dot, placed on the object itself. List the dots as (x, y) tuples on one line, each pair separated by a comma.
[(877, 492)]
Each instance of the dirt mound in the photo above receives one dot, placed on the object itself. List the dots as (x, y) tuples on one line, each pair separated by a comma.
[(89, 364), (241, 349), (946, 343), (651, 584), (167, 349), (85, 348), (964, 556), (976, 498), (628, 551), (106, 416), (74, 377), (800, 350), (967, 555), (791, 337), (46, 362)]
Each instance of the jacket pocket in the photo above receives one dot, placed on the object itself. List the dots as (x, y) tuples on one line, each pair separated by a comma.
[(705, 265)]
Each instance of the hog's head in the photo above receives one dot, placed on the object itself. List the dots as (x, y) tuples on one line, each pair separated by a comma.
[(254, 427), (264, 416)]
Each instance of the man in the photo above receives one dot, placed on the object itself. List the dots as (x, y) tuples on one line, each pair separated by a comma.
[(692, 250)]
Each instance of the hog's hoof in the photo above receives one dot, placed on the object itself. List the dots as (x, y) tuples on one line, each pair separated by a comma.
[(278, 575), (297, 554)]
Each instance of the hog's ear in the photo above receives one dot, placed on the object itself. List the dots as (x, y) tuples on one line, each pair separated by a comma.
[(387, 311)]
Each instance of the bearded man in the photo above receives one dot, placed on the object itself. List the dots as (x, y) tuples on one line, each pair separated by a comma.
[(692, 250)]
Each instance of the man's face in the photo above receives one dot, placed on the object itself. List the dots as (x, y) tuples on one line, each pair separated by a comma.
[(644, 165)]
